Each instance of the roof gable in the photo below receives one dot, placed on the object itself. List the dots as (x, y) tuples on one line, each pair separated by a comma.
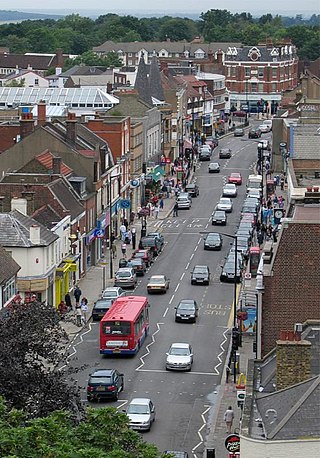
[(8, 266)]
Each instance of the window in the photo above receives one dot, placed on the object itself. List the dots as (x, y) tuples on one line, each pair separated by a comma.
[(260, 72), (274, 72), (36, 82), (247, 71), (274, 87), (233, 71), (253, 87), (229, 71), (260, 87), (129, 54), (9, 290)]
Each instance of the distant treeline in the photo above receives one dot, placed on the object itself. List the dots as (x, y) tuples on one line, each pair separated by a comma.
[(77, 35)]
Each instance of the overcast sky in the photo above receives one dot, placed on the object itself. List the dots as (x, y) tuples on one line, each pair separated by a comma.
[(164, 5)]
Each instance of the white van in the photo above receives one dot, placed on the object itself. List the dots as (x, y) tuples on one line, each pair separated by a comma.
[(254, 182), (268, 123)]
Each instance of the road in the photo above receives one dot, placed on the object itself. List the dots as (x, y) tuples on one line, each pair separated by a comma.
[(182, 400)]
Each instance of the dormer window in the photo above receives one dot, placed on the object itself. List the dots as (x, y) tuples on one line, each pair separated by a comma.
[(254, 53)]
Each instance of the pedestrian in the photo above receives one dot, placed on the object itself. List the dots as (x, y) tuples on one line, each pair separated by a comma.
[(114, 250), (77, 294), (133, 237), (161, 204), (124, 249), (156, 211), (126, 223), (274, 235), (123, 230), (67, 300), (258, 225), (79, 317), (168, 191), (260, 238), (282, 183), (132, 216), (228, 418), (84, 309), (127, 237), (175, 209)]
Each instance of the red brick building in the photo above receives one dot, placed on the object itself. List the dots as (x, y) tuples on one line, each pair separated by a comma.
[(260, 72)]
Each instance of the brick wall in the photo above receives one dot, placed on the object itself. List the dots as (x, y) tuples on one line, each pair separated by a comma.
[(292, 290), (293, 362)]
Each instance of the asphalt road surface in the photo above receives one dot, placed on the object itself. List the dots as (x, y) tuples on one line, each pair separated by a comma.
[(182, 400)]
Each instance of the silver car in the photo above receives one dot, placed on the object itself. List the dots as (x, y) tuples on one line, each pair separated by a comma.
[(229, 190), (183, 202), (125, 277), (179, 357), (141, 413), (225, 204), (113, 292), (214, 167)]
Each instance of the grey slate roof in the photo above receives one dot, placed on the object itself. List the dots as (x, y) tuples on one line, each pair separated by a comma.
[(267, 54), (142, 83), (67, 197), (155, 80), (46, 216), (130, 105), (8, 266), (306, 146), (15, 231), (82, 70), (293, 412)]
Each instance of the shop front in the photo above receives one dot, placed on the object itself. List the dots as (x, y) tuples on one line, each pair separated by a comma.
[(65, 278), (40, 289)]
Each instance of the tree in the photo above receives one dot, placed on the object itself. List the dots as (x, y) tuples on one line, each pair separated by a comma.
[(91, 58), (31, 346), (16, 83), (177, 29), (102, 433)]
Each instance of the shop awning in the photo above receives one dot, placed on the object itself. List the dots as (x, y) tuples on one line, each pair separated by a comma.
[(68, 265)]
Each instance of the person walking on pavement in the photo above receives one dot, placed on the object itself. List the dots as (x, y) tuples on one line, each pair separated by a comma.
[(114, 250), (175, 209), (77, 294), (156, 211), (79, 317), (123, 230), (228, 418), (84, 309), (133, 238), (67, 300), (161, 204), (124, 249)]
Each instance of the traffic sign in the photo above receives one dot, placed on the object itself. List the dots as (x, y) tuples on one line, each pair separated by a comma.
[(125, 203)]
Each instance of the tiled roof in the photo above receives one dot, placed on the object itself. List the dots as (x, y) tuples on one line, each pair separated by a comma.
[(130, 105), (268, 54), (306, 146), (15, 231), (45, 159), (8, 266), (66, 197), (24, 61), (46, 216)]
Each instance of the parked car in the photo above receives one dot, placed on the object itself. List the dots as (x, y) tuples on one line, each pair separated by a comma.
[(103, 384), (204, 155), (200, 274), (179, 357), (100, 308), (214, 167), (229, 190), (192, 189), (254, 193), (249, 208), (225, 204), (183, 202), (152, 243), (235, 178), (141, 413), (212, 142), (212, 241), (228, 271), (159, 237), (186, 310), (125, 277), (252, 201), (205, 148), (219, 217), (146, 255), (225, 153), (268, 123), (255, 132), (138, 266), (244, 234), (238, 132), (264, 128), (185, 194), (158, 284), (246, 226), (112, 292)]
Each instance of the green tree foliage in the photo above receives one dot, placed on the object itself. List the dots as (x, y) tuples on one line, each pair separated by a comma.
[(77, 35), (102, 433), (90, 58)]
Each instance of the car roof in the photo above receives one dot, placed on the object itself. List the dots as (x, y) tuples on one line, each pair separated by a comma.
[(179, 345), (191, 185), (103, 372), (230, 185), (140, 401), (156, 276), (200, 267), (189, 301), (112, 288), (219, 211), (104, 300)]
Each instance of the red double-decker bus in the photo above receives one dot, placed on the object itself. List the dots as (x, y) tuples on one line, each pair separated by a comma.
[(125, 326)]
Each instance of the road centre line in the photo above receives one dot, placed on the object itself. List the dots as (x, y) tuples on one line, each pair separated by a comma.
[(177, 287), (191, 256), (182, 276), (165, 312), (187, 266), (171, 299)]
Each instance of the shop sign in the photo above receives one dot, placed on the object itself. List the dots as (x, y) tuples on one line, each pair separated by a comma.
[(232, 443), (38, 285)]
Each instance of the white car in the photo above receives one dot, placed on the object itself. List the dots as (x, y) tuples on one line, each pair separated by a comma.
[(205, 148), (141, 413), (113, 292), (264, 128), (179, 357), (183, 202), (254, 193), (268, 123), (225, 204), (229, 190)]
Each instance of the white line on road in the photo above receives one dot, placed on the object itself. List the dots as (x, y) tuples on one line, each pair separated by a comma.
[(171, 299), (187, 266), (147, 347), (165, 312), (204, 422), (191, 256), (177, 287), (221, 353), (182, 276), (166, 372)]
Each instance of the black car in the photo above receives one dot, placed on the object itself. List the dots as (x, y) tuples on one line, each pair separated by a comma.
[(225, 153), (255, 132), (192, 189), (219, 217), (186, 310), (100, 308), (104, 384), (151, 242), (212, 241), (200, 274), (227, 273), (204, 155)]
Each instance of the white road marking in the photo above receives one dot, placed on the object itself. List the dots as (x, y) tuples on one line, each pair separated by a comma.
[(221, 353), (187, 266), (177, 287), (165, 372), (191, 256), (165, 312), (147, 347), (171, 299), (73, 346), (182, 276), (204, 422)]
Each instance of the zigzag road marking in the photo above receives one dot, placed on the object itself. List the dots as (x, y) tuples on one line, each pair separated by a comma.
[(73, 346), (221, 353), (147, 347)]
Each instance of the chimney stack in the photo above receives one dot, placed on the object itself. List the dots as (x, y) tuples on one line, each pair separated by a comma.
[(42, 115), (26, 124), (35, 235), (29, 197), (56, 165), (19, 204), (293, 359), (71, 127), (219, 56), (210, 55), (59, 61)]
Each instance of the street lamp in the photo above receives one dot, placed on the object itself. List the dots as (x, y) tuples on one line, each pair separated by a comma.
[(111, 177)]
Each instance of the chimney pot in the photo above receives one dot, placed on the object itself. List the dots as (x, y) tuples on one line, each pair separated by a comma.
[(56, 165), (291, 335), (283, 335), (297, 336)]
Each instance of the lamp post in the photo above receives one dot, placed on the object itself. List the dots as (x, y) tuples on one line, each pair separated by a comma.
[(111, 177)]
